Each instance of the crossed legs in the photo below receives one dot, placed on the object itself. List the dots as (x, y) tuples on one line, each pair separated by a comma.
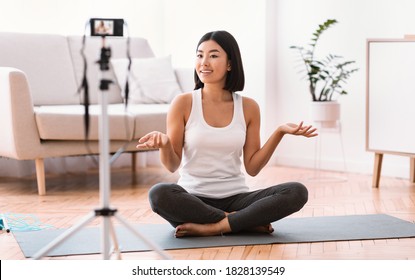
[(200, 216)]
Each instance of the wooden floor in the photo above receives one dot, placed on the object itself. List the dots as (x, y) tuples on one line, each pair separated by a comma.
[(72, 196)]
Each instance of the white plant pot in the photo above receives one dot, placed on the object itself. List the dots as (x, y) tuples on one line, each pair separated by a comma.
[(325, 113)]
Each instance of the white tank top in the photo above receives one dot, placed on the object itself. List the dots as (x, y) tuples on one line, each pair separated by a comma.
[(211, 161)]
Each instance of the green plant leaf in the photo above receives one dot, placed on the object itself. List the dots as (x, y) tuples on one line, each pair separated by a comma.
[(327, 74)]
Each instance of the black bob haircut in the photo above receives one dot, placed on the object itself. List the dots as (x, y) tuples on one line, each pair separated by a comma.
[(235, 79)]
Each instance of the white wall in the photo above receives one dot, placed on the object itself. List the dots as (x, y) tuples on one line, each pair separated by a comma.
[(69, 17), (292, 23)]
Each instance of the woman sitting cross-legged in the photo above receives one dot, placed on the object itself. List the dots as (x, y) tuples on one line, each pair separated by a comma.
[(210, 131)]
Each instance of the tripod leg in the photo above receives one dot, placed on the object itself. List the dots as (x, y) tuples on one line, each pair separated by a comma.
[(115, 242), (57, 241), (105, 238), (153, 246)]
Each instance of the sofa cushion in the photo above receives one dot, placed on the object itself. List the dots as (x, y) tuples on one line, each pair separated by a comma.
[(47, 64), (139, 48), (67, 122), (151, 80)]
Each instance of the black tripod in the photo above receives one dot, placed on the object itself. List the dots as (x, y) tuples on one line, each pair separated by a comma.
[(105, 211)]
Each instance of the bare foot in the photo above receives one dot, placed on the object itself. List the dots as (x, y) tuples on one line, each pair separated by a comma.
[(191, 229)]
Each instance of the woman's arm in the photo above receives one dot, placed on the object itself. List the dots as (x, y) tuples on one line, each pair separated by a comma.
[(255, 157), (170, 144)]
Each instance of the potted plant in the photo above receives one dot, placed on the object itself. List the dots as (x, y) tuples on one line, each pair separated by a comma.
[(326, 78)]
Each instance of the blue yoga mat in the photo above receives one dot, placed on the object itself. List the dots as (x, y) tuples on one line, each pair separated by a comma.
[(288, 230)]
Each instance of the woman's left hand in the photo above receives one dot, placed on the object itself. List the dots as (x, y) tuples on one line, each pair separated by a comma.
[(298, 129)]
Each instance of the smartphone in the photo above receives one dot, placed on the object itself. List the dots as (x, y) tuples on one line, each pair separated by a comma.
[(107, 27)]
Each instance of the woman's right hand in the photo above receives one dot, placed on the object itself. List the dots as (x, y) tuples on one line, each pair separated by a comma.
[(153, 140)]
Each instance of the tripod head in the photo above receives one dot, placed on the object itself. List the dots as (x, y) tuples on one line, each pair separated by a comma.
[(104, 64), (104, 58)]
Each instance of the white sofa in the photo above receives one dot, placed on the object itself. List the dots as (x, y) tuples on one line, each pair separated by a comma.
[(41, 113)]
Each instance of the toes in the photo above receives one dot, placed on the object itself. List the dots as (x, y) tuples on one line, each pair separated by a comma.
[(180, 233)]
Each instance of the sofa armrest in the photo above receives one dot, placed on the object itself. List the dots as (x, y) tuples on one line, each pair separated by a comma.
[(19, 135), (185, 78)]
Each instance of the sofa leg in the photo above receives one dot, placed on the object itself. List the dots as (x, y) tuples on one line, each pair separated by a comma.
[(133, 162), (133, 167), (40, 175)]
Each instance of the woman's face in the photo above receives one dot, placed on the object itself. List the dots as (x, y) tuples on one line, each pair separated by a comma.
[(212, 64)]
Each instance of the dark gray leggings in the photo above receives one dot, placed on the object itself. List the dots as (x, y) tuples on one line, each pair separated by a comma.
[(252, 209)]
